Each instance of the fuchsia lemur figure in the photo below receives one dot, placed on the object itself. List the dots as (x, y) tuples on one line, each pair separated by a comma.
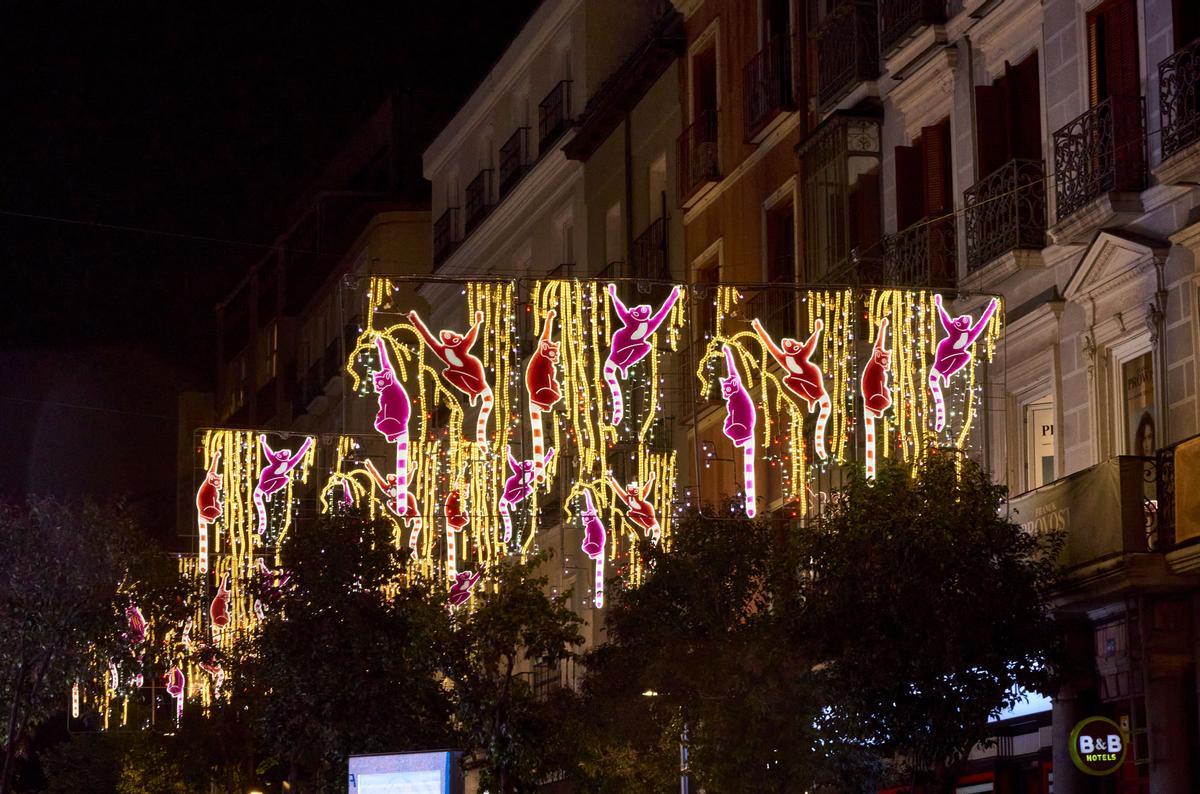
[(463, 370), (954, 352), (594, 538), (518, 486), (403, 504), (274, 475), (876, 394), (631, 342), (740, 419), (394, 410), (803, 377), (463, 587)]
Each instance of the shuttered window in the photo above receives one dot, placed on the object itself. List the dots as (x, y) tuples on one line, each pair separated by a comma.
[(1113, 64), (924, 181), (1008, 117)]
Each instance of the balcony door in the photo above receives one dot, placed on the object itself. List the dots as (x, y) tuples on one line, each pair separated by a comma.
[(1114, 68), (1009, 119)]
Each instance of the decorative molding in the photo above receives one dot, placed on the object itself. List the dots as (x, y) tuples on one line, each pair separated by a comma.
[(1181, 168), (994, 273), (1106, 211), (1112, 262), (1188, 237), (926, 93), (687, 7), (1003, 34)]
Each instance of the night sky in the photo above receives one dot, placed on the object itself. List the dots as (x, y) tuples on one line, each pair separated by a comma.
[(204, 126)]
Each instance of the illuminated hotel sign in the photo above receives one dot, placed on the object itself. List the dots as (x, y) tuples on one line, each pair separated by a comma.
[(1098, 746)]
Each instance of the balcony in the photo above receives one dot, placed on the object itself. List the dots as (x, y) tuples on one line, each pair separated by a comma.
[(478, 200), (514, 160), (922, 255), (847, 50), (649, 260), (1006, 211), (778, 308), (553, 115), (445, 236), (1179, 99), (698, 162), (768, 82), (1102, 151), (899, 20)]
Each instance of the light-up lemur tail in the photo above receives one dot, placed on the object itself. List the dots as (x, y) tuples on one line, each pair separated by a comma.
[(826, 411), (614, 388), (485, 410), (402, 471), (748, 461), (451, 553), (939, 404), (535, 425), (202, 551), (869, 425), (507, 519), (599, 600), (417, 524), (260, 508)]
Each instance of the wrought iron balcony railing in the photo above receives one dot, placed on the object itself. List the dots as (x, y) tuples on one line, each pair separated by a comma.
[(767, 80), (514, 159), (649, 256), (778, 308), (698, 162), (553, 115), (922, 255), (478, 200), (1100, 151), (1179, 98), (847, 50), (898, 19), (1006, 211), (445, 235)]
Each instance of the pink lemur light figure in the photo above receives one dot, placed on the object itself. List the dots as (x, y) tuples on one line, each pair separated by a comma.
[(463, 587), (209, 506), (176, 685), (638, 507), (274, 475), (463, 369), (740, 419), (594, 538), (876, 393), (402, 505), (518, 487), (631, 342), (541, 382), (136, 632), (394, 410), (954, 352), (803, 377)]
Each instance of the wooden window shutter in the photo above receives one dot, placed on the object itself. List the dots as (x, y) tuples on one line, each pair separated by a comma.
[(1025, 109), (1097, 90), (990, 124), (1121, 43), (864, 211), (910, 179), (938, 179)]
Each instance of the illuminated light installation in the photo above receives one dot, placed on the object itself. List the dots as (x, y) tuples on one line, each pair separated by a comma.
[(463, 587), (218, 610), (594, 540), (404, 506), (953, 352), (803, 377), (270, 583), (639, 510), (876, 394), (631, 342), (463, 370), (392, 418), (176, 686), (456, 520), (75, 700), (518, 487), (541, 384), (274, 475), (209, 504), (739, 424), (136, 622)]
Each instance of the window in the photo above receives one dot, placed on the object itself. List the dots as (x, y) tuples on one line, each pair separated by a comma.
[(656, 181), (614, 239), (1112, 42), (704, 80), (1137, 396), (1039, 442), (780, 243), (923, 177), (776, 19), (566, 233), (707, 278), (1008, 117), (269, 354)]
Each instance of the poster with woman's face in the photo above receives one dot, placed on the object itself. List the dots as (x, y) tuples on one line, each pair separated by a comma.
[(1137, 378)]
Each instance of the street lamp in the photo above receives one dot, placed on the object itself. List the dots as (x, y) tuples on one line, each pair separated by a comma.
[(683, 752)]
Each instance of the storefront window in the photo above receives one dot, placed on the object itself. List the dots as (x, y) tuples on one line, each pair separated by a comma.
[(1141, 422)]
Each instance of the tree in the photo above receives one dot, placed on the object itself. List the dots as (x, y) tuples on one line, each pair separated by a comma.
[(347, 655), (67, 574), (512, 624), (924, 610)]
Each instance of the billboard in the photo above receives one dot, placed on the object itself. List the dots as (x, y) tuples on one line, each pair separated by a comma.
[(406, 773)]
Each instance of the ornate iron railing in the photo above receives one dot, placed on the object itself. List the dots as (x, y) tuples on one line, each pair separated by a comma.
[(924, 254), (1179, 98), (1100, 151), (649, 255), (553, 115), (847, 50), (1005, 211), (445, 235), (899, 18), (514, 159), (478, 200), (698, 163), (778, 308), (767, 80)]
